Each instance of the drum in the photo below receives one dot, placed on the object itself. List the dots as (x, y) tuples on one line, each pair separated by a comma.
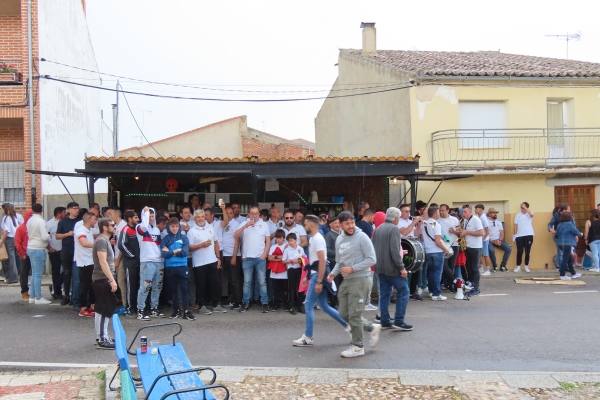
[(415, 256)]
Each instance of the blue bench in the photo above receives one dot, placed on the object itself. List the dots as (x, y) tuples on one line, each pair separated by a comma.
[(167, 374)]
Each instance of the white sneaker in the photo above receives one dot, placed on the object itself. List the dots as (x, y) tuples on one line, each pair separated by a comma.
[(527, 269), (577, 275), (595, 270), (439, 298), (370, 307), (353, 351), (565, 278), (425, 290), (31, 300), (481, 270), (304, 341), (374, 335), (517, 269), (42, 301), (419, 291), (486, 273)]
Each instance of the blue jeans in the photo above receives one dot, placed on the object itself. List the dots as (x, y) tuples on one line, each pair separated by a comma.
[(386, 283), (251, 266), (566, 260), (37, 258), (313, 297), (151, 278), (506, 248), (595, 248), (435, 266), (75, 285)]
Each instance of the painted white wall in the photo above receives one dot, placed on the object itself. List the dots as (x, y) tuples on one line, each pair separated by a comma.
[(70, 116)]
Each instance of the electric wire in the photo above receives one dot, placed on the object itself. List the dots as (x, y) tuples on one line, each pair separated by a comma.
[(137, 124)]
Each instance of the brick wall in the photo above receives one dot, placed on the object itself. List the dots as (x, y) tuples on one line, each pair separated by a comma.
[(255, 147), (11, 140)]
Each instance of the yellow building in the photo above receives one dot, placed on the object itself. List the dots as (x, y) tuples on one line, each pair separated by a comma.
[(526, 128)]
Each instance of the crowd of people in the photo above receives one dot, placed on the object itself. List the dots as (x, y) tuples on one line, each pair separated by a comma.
[(103, 261)]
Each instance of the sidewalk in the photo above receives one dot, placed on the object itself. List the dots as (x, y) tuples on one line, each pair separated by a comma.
[(83, 383)]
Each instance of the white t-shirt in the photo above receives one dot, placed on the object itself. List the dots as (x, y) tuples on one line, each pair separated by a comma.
[(403, 223), (486, 224), (473, 224), (316, 243), (447, 223), (205, 255), (9, 227), (524, 224), (278, 275), (240, 219), (228, 239), (83, 255), (273, 226), (216, 224), (431, 228), (298, 230), (293, 254), (191, 223), (495, 228), (52, 226), (253, 239)]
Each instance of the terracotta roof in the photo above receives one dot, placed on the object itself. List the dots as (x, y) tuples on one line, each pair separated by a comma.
[(479, 63), (255, 160)]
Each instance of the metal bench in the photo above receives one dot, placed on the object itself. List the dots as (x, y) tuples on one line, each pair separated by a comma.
[(167, 374)]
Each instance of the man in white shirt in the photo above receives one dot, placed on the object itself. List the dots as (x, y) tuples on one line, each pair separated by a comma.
[(274, 222), (36, 251), (450, 226), (54, 249), (290, 226), (406, 224), (254, 235), (435, 249), (232, 273), (473, 232), (84, 243), (206, 259), (237, 213), (496, 231), (523, 235), (485, 249)]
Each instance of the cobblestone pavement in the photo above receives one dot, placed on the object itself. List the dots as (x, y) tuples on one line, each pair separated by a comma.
[(78, 384)]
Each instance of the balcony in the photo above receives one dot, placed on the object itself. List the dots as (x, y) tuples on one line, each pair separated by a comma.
[(10, 72), (489, 149)]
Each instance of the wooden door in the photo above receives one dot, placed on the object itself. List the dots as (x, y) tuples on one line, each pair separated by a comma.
[(580, 198)]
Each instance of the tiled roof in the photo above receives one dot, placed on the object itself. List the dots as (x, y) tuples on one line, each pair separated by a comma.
[(479, 63), (255, 160)]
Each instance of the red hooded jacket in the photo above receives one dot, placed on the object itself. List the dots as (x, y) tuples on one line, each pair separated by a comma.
[(21, 237)]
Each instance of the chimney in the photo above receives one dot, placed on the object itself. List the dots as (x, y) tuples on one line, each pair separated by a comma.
[(368, 38)]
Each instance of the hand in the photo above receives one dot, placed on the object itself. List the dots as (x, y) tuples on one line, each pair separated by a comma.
[(206, 243), (165, 249), (263, 257), (318, 287), (404, 273), (330, 278), (219, 263), (346, 271), (146, 209), (70, 233), (446, 250), (113, 286), (233, 261)]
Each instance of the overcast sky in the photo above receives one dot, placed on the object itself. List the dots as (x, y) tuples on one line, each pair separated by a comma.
[(293, 45)]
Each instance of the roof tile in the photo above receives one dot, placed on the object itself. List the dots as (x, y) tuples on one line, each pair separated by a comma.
[(251, 159)]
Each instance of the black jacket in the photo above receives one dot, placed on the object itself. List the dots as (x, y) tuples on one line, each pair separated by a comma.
[(129, 245)]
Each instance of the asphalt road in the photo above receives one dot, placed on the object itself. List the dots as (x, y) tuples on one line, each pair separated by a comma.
[(529, 328)]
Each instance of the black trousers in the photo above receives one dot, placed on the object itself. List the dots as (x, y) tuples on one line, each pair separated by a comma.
[(293, 281), (235, 278), (177, 277), (524, 244), (86, 294), (472, 265), (207, 285), (448, 274), (414, 281), (66, 261), (280, 295), (24, 273), (132, 271), (55, 262)]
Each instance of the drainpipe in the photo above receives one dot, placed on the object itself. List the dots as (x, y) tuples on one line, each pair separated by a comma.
[(30, 96)]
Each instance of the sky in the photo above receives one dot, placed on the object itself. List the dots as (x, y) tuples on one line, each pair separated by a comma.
[(268, 45)]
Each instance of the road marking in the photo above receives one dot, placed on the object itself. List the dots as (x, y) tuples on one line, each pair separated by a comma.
[(49, 365), (493, 294), (38, 316), (576, 291)]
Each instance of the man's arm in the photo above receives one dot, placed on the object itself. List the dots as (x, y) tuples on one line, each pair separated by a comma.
[(85, 243), (501, 238), (267, 246), (225, 219), (396, 249), (60, 235), (368, 252), (303, 241)]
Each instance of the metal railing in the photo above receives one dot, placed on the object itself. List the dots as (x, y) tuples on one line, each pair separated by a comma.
[(518, 148)]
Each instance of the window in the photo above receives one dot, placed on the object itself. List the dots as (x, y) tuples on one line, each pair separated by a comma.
[(482, 124), (14, 195)]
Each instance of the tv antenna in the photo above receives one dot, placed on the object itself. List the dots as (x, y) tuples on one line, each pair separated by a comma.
[(567, 37)]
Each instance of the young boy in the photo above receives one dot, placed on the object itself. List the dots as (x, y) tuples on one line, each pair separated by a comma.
[(175, 249), (292, 257), (278, 277)]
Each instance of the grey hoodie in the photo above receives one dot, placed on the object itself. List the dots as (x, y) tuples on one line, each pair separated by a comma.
[(356, 251)]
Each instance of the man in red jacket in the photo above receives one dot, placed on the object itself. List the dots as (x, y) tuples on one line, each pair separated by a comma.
[(21, 240)]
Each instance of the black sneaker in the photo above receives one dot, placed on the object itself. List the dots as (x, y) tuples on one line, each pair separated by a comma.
[(377, 318), (265, 308), (157, 314), (386, 326), (175, 314), (473, 292), (244, 308), (416, 297), (187, 314), (66, 300), (105, 345), (402, 327), (293, 311), (235, 306), (142, 317)]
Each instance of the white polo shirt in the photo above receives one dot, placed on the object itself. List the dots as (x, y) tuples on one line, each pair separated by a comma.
[(447, 223), (253, 239), (431, 228), (298, 230), (403, 223), (228, 241), (486, 224), (524, 224), (199, 234), (316, 243), (473, 224), (496, 227), (83, 255), (273, 226)]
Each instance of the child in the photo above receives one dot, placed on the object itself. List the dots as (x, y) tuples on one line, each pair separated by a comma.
[(175, 249), (293, 258), (278, 270)]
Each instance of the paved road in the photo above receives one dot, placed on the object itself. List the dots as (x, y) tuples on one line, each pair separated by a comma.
[(530, 328)]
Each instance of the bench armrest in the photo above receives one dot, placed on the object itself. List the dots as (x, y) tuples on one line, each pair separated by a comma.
[(203, 389), (153, 327), (184, 371)]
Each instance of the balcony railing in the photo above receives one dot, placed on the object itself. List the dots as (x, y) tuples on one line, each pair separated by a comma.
[(514, 148)]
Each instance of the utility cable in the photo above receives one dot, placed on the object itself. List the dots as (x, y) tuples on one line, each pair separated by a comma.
[(137, 124)]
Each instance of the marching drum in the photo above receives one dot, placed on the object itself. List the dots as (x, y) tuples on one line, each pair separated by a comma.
[(415, 256)]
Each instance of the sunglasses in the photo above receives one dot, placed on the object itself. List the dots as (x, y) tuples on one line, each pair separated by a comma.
[(289, 217)]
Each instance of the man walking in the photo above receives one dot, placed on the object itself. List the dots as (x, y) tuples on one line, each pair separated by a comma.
[(65, 233), (472, 231), (354, 255), (104, 283), (54, 250), (151, 265), (391, 271)]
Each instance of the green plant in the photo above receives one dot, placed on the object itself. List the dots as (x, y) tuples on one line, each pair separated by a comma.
[(568, 386), (4, 67)]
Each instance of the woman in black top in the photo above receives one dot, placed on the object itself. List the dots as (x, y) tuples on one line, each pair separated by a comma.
[(592, 238)]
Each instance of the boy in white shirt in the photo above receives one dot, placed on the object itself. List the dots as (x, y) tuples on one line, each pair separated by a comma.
[(278, 277), (293, 258)]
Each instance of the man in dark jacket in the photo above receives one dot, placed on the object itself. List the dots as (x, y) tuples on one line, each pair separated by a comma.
[(130, 250), (391, 271)]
